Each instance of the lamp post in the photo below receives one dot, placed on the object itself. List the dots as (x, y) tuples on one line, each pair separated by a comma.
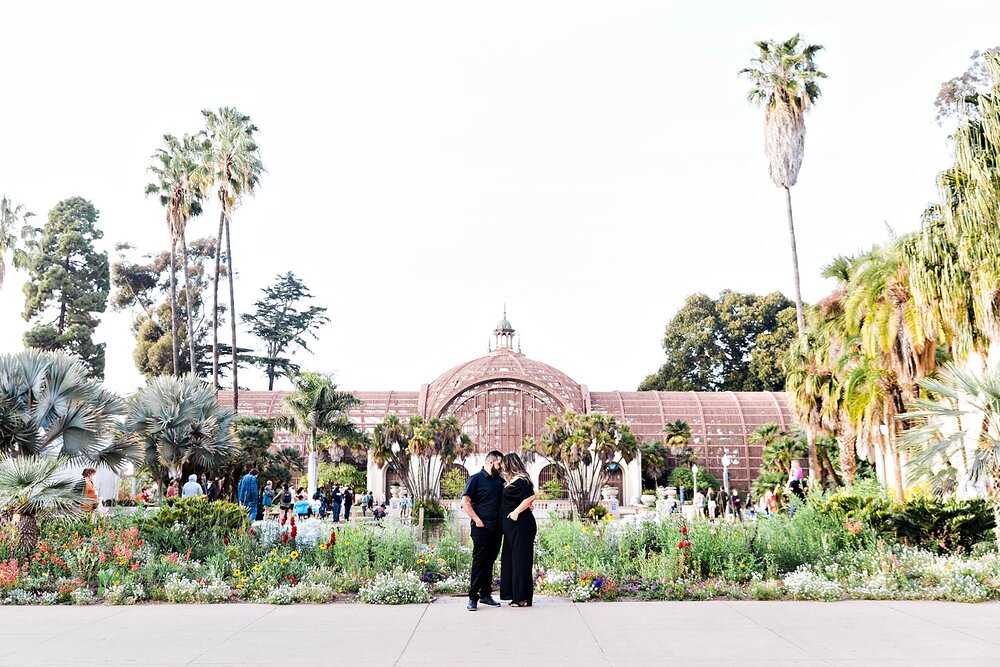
[(694, 479)]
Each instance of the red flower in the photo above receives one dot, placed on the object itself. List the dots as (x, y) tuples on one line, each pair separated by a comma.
[(283, 520), (252, 533), (333, 537), (295, 531), (680, 545), (684, 530), (225, 540), (293, 519), (284, 537)]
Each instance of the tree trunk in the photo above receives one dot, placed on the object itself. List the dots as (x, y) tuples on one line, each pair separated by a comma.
[(312, 466), (995, 501), (174, 342), (800, 316), (232, 319), (847, 468), (898, 464), (189, 304), (215, 301), (815, 472), (26, 534), (830, 470)]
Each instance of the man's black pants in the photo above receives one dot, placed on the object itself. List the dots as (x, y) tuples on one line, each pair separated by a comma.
[(485, 548)]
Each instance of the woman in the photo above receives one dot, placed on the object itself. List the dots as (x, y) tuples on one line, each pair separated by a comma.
[(267, 497), (286, 502), (89, 490), (519, 528)]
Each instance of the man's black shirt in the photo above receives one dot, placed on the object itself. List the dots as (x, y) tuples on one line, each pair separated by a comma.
[(485, 492)]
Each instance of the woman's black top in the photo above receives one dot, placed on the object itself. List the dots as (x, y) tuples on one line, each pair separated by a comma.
[(514, 494)]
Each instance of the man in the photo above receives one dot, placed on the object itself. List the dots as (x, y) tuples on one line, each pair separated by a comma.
[(348, 501), (338, 501), (481, 501), (247, 493), (192, 488), (213, 490)]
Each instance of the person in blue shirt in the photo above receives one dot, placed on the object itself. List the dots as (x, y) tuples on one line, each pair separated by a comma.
[(338, 501), (247, 494)]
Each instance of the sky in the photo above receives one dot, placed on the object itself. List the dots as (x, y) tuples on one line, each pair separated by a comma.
[(588, 164)]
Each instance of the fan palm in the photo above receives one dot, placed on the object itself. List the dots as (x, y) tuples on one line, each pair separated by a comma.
[(10, 217), (936, 433), (177, 170), (317, 407), (234, 169), (53, 416), (178, 422), (654, 459), (784, 77)]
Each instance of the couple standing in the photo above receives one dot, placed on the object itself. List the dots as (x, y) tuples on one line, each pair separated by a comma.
[(498, 500)]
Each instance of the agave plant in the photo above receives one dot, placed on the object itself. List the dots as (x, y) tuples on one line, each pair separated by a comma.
[(176, 423)]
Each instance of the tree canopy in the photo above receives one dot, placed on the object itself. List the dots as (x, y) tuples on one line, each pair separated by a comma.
[(736, 342), (68, 283), (282, 321)]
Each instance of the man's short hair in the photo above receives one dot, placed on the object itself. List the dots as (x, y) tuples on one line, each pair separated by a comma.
[(494, 455), (253, 471)]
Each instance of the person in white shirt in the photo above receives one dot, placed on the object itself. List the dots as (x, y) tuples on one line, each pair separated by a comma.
[(192, 488)]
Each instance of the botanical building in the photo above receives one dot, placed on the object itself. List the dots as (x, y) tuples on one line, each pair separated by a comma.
[(505, 396)]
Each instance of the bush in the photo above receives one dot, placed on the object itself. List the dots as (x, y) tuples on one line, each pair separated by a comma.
[(681, 478), (195, 524), (344, 474), (396, 587), (943, 526), (432, 510), (452, 483), (551, 490)]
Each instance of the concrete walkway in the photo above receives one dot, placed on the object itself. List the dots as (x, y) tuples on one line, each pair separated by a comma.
[(553, 632)]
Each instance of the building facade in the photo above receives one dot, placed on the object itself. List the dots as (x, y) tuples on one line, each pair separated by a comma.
[(503, 397)]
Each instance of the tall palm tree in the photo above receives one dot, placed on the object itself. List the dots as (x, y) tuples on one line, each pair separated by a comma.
[(316, 408), (11, 217), (177, 170), (784, 77), (233, 158), (52, 416), (177, 423)]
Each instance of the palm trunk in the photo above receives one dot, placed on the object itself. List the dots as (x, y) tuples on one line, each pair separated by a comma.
[(830, 470), (847, 468), (190, 304), (174, 343), (815, 472), (898, 464), (215, 301), (232, 319), (25, 534), (995, 501), (800, 316)]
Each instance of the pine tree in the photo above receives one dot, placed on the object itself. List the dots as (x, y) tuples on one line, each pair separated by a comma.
[(68, 283)]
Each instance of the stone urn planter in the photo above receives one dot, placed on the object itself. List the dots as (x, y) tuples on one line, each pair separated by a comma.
[(609, 492), (648, 499)]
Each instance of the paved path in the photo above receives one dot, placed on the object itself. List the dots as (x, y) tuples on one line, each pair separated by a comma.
[(553, 632)]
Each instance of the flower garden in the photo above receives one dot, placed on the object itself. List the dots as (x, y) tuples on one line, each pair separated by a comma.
[(850, 545)]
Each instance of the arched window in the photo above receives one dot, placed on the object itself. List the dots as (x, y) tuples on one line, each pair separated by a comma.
[(549, 473), (453, 472), (499, 414)]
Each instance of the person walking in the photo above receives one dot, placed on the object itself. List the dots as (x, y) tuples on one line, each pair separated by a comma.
[(519, 528), (737, 505), (214, 488), (338, 502), (481, 502), (371, 501), (348, 501), (90, 499), (711, 503), (247, 494), (267, 498), (192, 488), (364, 504), (285, 503)]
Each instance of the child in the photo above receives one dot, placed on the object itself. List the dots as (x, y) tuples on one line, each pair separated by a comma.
[(302, 507)]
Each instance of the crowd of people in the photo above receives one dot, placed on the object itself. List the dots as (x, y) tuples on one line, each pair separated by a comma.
[(715, 503)]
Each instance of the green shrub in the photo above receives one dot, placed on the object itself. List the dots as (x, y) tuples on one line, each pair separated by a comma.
[(942, 526), (344, 474), (195, 524), (432, 510), (452, 483), (551, 490), (681, 478)]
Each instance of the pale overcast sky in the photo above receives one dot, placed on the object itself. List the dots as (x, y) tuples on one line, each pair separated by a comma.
[(588, 163)]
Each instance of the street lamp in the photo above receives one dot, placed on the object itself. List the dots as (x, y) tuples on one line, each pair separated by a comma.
[(694, 479)]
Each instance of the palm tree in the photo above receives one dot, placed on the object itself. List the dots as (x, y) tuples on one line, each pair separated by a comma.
[(316, 408), (52, 416), (959, 393), (784, 78), (654, 459), (233, 160), (10, 217), (177, 423), (177, 172)]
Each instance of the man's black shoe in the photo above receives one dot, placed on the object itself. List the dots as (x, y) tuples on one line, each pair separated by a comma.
[(472, 605), (490, 601)]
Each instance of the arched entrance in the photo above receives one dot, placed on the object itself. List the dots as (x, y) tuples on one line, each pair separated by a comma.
[(456, 473), (546, 475)]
